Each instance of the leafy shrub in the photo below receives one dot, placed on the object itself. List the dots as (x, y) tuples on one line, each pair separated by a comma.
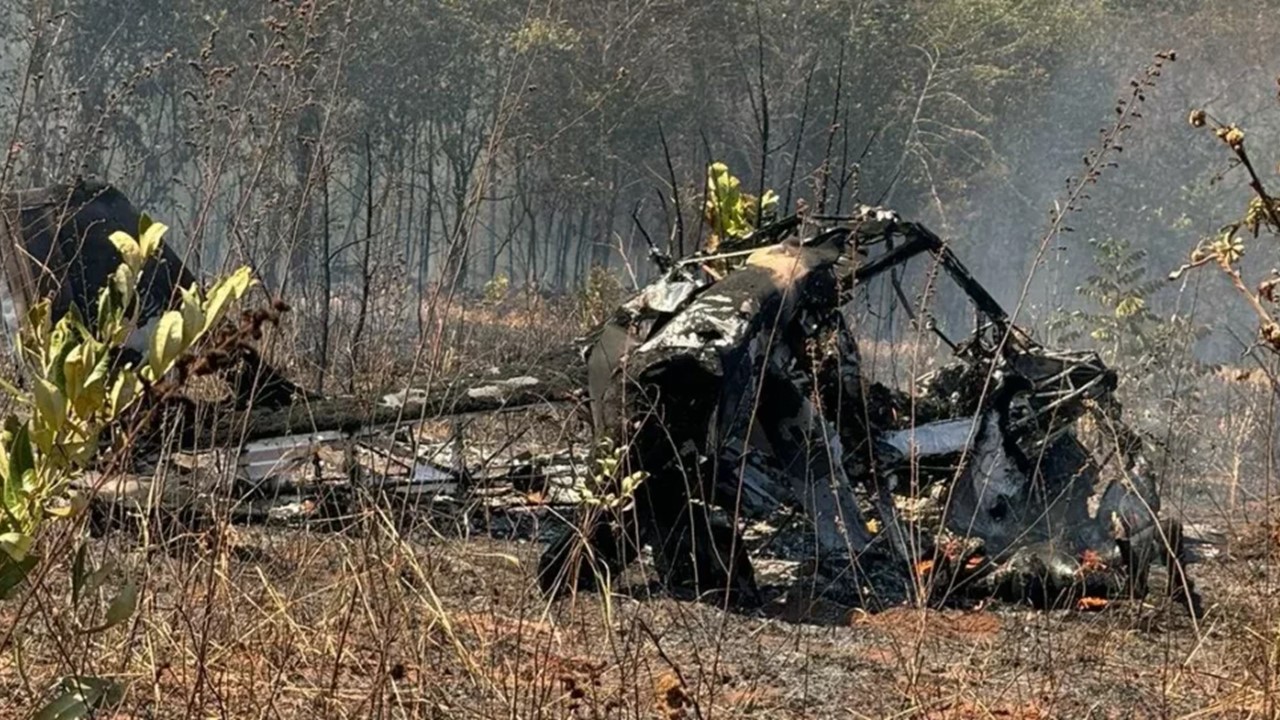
[(606, 487), (79, 389), (1131, 336), (599, 296), (1152, 354), (732, 215), (497, 289)]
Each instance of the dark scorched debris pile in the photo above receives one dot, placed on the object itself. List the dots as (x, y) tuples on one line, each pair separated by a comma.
[(727, 401)]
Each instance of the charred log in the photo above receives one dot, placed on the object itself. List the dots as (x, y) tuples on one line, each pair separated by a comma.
[(520, 387)]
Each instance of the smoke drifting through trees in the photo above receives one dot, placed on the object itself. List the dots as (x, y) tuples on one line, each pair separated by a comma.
[(371, 150)]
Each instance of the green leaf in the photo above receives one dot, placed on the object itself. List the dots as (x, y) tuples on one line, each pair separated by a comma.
[(125, 281), (39, 323), (13, 573), (79, 453), (123, 392), (67, 706), (121, 608), (51, 404), (633, 481), (1130, 306), (75, 368), (93, 394), (80, 697), (769, 203), (6, 442), (65, 339), (166, 345), (21, 461), (105, 306), (193, 320), (96, 578), (229, 290), (101, 369), (16, 545), (151, 237), (129, 249)]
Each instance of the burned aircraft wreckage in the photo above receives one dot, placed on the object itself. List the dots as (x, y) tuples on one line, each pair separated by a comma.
[(739, 395), (733, 397)]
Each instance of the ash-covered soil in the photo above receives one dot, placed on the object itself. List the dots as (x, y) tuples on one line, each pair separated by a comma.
[(375, 622), (806, 657)]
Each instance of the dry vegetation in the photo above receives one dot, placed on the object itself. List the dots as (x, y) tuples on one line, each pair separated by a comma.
[(378, 162)]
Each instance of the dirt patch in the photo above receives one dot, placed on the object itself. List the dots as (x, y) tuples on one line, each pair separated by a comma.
[(972, 710), (956, 625), (673, 699)]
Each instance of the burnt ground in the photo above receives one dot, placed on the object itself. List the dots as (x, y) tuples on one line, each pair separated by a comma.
[(372, 622)]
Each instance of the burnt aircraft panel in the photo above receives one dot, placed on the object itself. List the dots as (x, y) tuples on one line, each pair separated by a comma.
[(57, 246)]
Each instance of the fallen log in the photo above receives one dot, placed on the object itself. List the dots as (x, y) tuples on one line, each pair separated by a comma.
[(558, 380)]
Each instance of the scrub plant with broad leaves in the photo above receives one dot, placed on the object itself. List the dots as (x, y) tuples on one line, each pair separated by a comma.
[(78, 388), (732, 216), (604, 488)]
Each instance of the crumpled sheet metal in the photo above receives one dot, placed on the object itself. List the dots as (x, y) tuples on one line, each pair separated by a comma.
[(676, 391), (1049, 527), (669, 294), (743, 330), (945, 437)]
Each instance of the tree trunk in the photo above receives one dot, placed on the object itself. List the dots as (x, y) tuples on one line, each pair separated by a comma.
[(562, 255), (357, 335), (413, 186), (492, 269), (305, 151), (326, 278), (424, 247)]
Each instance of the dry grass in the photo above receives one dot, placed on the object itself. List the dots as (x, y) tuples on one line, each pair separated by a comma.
[(298, 624)]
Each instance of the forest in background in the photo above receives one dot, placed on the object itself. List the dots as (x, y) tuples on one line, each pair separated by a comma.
[(365, 151)]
